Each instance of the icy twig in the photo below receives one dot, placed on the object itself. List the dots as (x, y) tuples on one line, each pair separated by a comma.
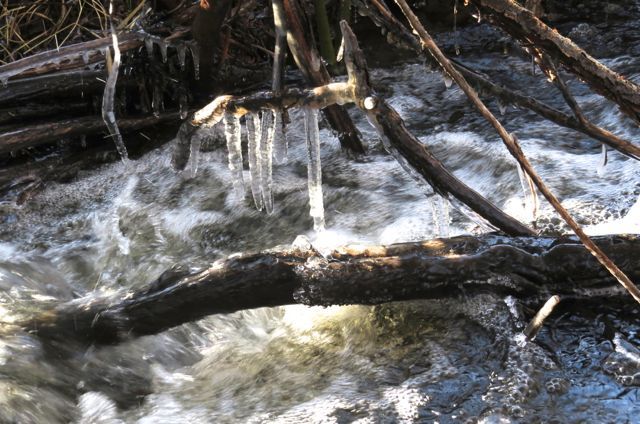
[(108, 114)]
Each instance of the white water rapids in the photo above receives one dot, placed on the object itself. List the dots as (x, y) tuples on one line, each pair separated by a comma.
[(446, 361)]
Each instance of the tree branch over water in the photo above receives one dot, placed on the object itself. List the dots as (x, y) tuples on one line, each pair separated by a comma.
[(357, 274)]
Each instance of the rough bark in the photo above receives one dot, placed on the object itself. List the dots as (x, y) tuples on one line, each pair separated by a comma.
[(440, 268)]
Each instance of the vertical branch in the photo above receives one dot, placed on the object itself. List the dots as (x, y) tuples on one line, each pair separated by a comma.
[(308, 60), (514, 148), (324, 32)]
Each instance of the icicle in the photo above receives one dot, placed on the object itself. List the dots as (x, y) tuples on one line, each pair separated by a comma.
[(108, 115), (314, 169), (157, 102), (85, 57), (163, 49), (266, 154), (603, 161), (254, 134), (182, 55), (448, 82), (280, 143), (5, 81), (234, 147), (195, 55), (196, 140), (502, 107), (183, 102), (530, 194), (441, 216), (148, 44)]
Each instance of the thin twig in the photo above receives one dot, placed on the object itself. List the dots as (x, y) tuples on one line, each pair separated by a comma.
[(531, 331)]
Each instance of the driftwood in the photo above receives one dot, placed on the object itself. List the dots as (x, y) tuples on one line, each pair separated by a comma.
[(68, 57), (441, 268)]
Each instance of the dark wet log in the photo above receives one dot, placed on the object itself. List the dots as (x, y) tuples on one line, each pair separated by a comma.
[(207, 30), (13, 117), (310, 64), (525, 27), (440, 268), (58, 84), (381, 16), (33, 135)]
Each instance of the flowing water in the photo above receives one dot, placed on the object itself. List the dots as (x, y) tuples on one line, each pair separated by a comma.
[(450, 360)]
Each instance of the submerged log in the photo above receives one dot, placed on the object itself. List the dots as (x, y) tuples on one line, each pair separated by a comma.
[(527, 267)]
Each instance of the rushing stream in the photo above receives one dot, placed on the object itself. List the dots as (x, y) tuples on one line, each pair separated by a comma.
[(448, 360)]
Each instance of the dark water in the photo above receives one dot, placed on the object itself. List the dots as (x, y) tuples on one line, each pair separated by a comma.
[(456, 360)]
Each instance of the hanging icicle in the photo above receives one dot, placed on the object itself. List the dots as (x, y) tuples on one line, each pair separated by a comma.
[(314, 169), (108, 114), (194, 155), (280, 143), (232, 133), (254, 135), (266, 154), (603, 161)]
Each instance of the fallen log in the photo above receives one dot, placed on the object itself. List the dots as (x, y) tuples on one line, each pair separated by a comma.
[(526, 267), (68, 57), (61, 83), (33, 135)]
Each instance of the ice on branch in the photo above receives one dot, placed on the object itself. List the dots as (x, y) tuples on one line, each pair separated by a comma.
[(280, 143)]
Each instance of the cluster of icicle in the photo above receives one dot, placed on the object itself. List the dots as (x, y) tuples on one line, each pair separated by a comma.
[(108, 97), (267, 140)]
